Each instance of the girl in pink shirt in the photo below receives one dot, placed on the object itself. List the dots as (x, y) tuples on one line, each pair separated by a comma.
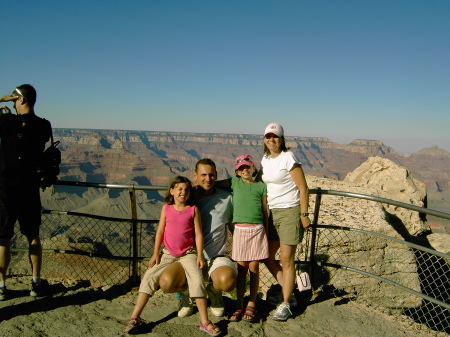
[(180, 230)]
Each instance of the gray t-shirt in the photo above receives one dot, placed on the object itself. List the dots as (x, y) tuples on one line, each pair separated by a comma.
[(217, 212)]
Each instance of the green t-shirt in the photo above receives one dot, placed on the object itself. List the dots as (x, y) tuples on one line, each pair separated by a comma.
[(247, 201)]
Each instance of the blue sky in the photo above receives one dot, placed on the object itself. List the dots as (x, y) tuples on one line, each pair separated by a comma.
[(343, 70)]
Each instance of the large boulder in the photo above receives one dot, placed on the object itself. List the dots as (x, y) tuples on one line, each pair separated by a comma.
[(394, 182), (360, 250)]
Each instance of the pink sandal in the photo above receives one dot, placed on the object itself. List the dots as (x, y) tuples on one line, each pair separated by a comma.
[(250, 312), (210, 331), (237, 315)]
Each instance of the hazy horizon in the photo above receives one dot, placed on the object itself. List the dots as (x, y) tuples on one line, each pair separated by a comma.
[(252, 134)]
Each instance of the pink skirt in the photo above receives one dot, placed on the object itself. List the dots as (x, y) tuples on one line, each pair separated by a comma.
[(250, 243)]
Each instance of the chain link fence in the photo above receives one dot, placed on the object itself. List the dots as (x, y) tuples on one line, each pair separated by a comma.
[(85, 247), (403, 277), (388, 273)]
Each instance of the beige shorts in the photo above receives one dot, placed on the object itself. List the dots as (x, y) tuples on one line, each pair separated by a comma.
[(194, 275), (215, 263), (285, 226)]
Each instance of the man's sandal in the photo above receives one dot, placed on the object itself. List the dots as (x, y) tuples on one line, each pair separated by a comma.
[(237, 315), (210, 328), (249, 312)]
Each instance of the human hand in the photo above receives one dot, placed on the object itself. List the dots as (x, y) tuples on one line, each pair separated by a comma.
[(155, 259), (200, 262), (305, 222), (8, 98), (7, 110)]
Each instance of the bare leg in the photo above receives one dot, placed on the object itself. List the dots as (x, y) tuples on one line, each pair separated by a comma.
[(202, 306), (273, 265), (173, 279), (240, 287), (35, 255), (224, 278), (5, 258), (249, 314), (141, 302), (254, 282), (287, 256)]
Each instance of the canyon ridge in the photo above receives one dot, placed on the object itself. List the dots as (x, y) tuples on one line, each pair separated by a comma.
[(153, 157)]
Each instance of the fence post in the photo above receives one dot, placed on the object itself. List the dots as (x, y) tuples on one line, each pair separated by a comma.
[(312, 261), (135, 251)]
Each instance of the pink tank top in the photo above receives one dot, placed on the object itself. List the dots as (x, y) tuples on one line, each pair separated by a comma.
[(179, 233)]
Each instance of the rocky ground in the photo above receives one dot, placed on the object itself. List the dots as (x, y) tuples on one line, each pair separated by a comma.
[(76, 309)]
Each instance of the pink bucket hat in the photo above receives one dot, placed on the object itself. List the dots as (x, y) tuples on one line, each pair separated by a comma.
[(244, 159), (274, 128)]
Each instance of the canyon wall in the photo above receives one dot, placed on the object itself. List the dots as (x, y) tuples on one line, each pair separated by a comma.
[(153, 157)]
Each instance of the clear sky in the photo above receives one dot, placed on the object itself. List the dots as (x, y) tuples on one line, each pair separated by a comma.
[(339, 69)]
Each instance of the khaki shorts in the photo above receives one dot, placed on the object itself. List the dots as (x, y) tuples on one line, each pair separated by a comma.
[(215, 263), (285, 226), (194, 275)]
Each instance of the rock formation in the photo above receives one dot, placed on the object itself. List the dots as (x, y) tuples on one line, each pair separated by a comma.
[(361, 251), (394, 182)]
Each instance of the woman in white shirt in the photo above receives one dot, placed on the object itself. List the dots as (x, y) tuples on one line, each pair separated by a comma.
[(287, 197)]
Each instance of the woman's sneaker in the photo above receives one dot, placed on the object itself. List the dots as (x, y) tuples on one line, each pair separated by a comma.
[(134, 324), (283, 312), (278, 299)]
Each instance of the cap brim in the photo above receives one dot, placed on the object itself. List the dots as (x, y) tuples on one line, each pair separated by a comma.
[(271, 132), (246, 163)]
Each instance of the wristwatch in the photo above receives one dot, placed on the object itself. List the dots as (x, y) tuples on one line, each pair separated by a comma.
[(304, 214)]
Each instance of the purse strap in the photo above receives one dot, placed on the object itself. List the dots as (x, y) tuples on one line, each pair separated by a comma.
[(307, 235)]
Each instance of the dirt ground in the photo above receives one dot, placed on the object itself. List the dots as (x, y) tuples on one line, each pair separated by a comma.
[(77, 309)]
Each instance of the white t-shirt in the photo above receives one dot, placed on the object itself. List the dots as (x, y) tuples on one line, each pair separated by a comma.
[(281, 189)]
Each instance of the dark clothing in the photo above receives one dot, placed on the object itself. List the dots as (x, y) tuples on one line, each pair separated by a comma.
[(22, 141)]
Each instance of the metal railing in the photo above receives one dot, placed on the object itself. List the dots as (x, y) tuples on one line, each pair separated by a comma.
[(432, 294), (107, 250)]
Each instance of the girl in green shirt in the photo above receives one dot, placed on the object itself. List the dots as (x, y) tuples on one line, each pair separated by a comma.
[(249, 236)]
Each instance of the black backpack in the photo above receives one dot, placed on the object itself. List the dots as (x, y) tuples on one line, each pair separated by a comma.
[(48, 168)]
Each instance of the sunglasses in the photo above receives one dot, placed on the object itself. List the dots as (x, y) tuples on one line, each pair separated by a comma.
[(243, 159), (18, 91), (271, 136)]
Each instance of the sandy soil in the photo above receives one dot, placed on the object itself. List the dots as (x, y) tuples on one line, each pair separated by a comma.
[(77, 309)]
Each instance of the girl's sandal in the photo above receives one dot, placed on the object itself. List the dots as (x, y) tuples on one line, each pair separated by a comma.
[(210, 328), (237, 315), (249, 312)]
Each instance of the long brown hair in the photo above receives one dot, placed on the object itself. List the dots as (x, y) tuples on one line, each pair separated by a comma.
[(168, 198)]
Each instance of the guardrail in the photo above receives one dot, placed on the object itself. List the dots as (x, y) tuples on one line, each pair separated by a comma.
[(111, 250)]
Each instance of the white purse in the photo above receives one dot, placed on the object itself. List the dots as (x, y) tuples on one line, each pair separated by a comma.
[(303, 281)]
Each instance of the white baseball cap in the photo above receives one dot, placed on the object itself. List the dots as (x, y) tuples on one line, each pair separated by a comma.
[(274, 128)]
